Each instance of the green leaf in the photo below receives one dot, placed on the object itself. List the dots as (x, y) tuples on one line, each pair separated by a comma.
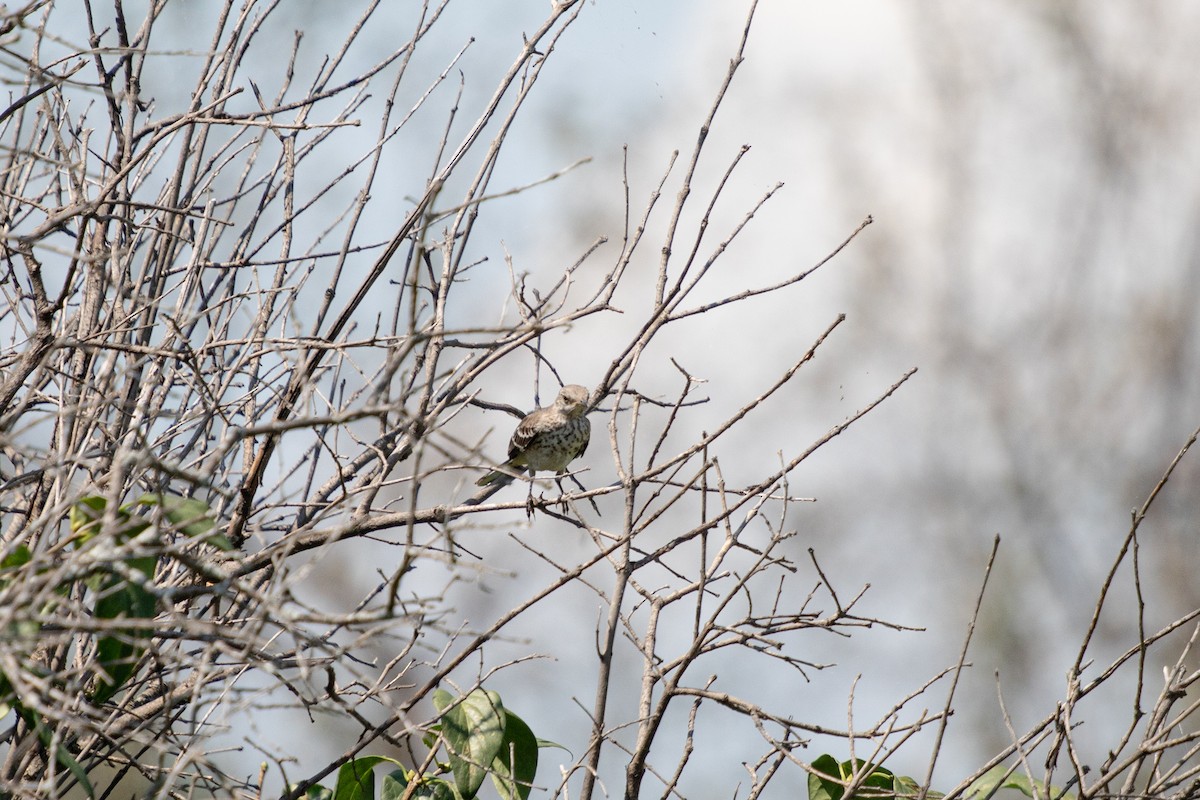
[(356, 778), (317, 792), (996, 778), (17, 557), (908, 787), (7, 697), (85, 516), (117, 659), (117, 655), (823, 780), (395, 783), (834, 775), (23, 627), (515, 766), (474, 731), (120, 598), (61, 754), (879, 783), (190, 516), (87, 513)]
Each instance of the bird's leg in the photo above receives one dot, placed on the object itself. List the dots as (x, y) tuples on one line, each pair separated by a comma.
[(562, 493), (591, 500), (582, 488), (529, 502)]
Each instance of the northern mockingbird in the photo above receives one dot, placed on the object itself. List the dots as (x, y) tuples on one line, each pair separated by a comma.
[(549, 438)]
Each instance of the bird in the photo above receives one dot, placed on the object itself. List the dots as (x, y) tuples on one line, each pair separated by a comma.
[(548, 438)]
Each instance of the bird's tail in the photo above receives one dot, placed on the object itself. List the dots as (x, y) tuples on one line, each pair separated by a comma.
[(501, 476)]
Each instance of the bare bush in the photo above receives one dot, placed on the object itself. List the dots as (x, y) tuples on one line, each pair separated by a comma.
[(219, 373)]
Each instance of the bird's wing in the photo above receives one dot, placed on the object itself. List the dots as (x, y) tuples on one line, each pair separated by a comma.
[(526, 430), (587, 438)]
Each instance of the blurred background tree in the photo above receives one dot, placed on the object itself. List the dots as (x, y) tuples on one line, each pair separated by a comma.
[(231, 232)]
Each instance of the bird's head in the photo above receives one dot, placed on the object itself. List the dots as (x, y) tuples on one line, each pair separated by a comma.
[(572, 400)]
